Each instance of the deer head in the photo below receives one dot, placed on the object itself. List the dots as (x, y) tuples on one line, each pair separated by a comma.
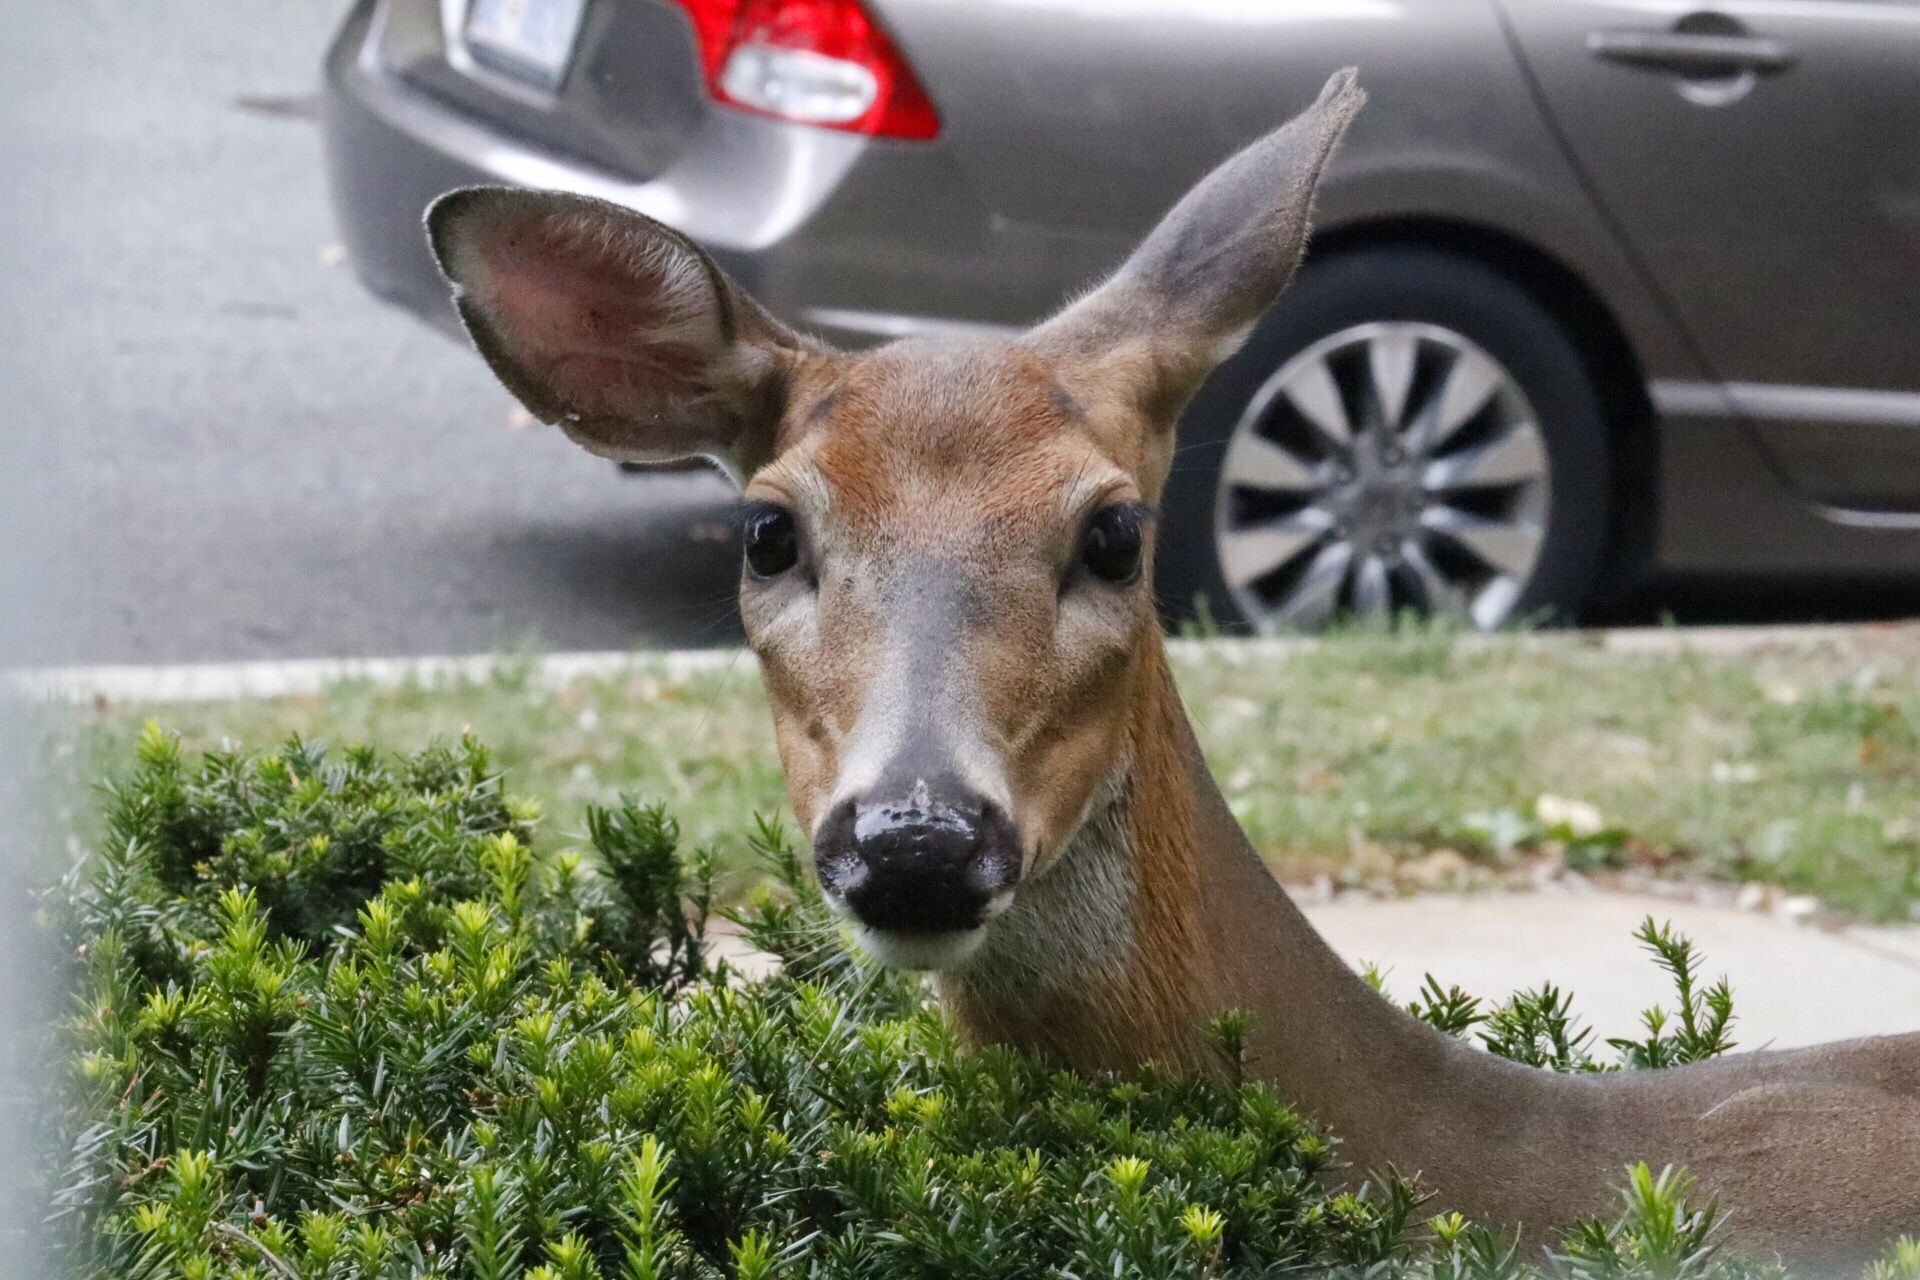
[(949, 543)]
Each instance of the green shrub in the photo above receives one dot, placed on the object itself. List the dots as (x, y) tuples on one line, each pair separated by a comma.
[(337, 1015), (1539, 1028)]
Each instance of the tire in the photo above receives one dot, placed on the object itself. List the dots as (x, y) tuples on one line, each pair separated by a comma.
[(1484, 516)]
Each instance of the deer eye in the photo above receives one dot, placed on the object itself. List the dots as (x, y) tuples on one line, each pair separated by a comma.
[(1110, 548), (772, 541)]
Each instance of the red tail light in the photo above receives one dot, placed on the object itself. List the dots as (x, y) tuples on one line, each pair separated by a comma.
[(823, 62)]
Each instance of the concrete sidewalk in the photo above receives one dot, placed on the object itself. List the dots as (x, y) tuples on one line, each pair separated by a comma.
[(1793, 984)]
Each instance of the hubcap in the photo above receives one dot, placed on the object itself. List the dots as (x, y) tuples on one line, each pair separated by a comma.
[(1389, 466)]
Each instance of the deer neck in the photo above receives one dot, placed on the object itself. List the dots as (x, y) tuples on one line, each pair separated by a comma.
[(1160, 915)]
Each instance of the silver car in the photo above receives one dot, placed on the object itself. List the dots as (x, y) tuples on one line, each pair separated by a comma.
[(1601, 289)]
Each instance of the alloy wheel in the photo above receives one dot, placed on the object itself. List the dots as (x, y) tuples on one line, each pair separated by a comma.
[(1389, 466)]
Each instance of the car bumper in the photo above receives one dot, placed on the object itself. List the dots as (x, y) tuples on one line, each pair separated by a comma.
[(857, 238)]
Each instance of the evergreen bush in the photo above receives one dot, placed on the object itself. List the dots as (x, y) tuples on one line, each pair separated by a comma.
[(337, 1016)]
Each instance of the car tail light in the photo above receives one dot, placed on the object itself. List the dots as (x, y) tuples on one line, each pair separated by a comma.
[(823, 62)]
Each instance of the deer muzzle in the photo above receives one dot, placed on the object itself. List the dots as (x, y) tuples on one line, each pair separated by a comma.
[(920, 873)]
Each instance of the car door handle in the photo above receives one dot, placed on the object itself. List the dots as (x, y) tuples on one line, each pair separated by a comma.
[(1688, 53)]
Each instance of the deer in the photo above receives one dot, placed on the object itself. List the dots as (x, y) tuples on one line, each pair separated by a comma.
[(948, 550)]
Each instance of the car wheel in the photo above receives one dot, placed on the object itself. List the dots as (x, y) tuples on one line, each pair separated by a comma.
[(1405, 430)]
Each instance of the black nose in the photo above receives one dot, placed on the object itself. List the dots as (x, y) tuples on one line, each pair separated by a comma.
[(928, 863)]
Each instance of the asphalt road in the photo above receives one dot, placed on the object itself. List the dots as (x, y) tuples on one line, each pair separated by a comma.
[(236, 452)]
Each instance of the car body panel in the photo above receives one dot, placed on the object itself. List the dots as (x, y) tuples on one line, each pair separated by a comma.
[(740, 185), (630, 103), (1727, 511), (1780, 214)]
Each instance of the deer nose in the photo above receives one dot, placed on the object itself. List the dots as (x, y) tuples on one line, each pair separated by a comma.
[(931, 862)]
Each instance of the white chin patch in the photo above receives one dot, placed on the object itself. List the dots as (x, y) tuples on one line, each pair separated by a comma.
[(934, 951)]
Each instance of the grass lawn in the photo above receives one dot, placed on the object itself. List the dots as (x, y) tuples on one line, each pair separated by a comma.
[(1391, 762)]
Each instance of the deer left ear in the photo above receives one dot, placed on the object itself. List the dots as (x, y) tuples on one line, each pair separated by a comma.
[(1192, 291), (614, 327)]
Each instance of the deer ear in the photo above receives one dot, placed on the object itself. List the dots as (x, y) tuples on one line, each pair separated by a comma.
[(615, 328), (1192, 291)]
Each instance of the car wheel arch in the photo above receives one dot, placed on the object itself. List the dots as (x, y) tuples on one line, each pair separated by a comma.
[(1596, 331)]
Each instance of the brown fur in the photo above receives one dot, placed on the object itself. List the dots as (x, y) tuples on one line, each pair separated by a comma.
[(1147, 1006), (1814, 1153), (940, 491), (958, 457)]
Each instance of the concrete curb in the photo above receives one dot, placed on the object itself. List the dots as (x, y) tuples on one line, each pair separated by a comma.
[(224, 681), (221, 681)]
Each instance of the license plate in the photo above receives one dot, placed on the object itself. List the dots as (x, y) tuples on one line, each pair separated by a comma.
[(529, 39)]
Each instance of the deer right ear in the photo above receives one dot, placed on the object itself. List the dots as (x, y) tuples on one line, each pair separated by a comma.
[(1190, 293), (613, 327)]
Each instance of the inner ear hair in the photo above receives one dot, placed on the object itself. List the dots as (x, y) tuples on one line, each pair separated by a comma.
[(616, 328)]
